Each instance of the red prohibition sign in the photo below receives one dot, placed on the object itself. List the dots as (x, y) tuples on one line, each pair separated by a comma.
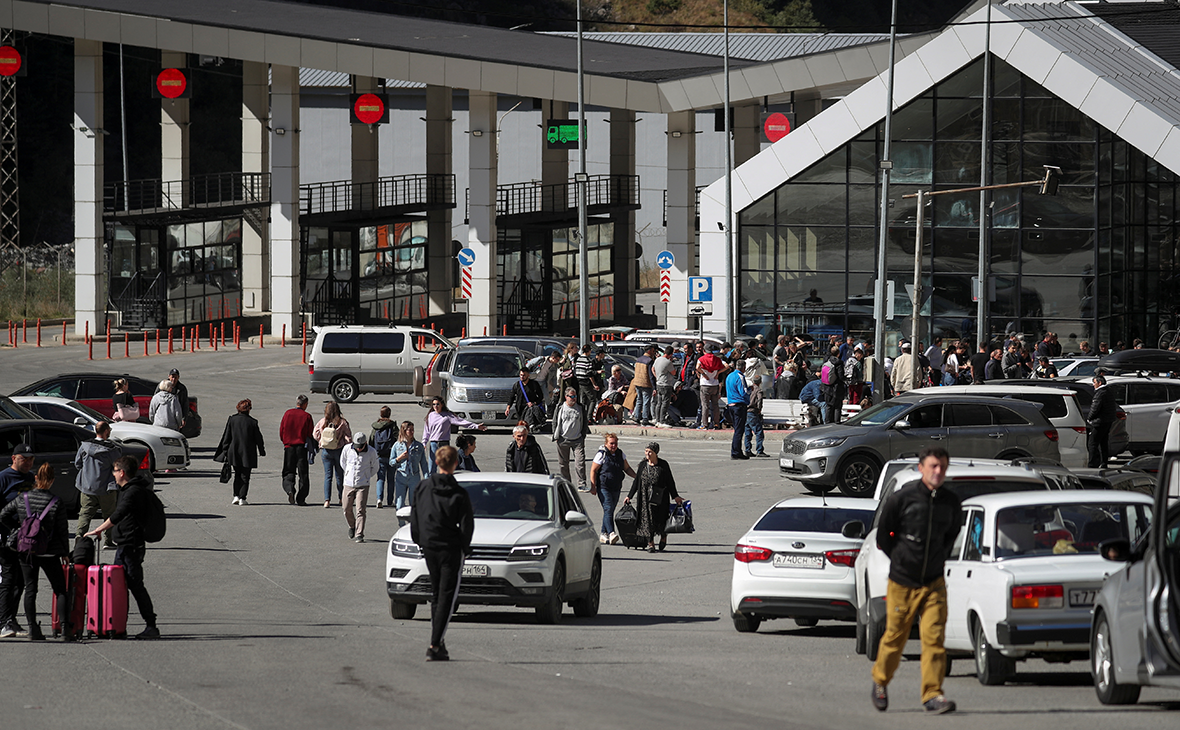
[(10, 61), (777, 126), (171, 83), (369, 108)]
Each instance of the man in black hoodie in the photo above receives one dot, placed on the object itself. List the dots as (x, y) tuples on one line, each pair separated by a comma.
[(442, 523), (1103, 413)]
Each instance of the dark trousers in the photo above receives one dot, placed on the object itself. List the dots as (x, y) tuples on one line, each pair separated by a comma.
[(131, 558), (51, 566), (1098, 445), (12, 581), (737, 416), (241, 481), (295, 464), (444, 567)]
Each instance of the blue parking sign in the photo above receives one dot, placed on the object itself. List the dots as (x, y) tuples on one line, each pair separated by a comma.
[(700, 289)]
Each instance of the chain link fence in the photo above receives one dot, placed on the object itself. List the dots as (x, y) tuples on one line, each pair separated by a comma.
[(36, 281)]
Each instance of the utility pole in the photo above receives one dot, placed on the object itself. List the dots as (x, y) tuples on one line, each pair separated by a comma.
[(880, 291), (581, 181)]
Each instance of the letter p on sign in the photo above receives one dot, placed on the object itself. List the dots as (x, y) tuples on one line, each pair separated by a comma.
[(700, 289)]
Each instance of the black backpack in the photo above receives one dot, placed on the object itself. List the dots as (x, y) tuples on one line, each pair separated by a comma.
[(383, 439), (154, 522)]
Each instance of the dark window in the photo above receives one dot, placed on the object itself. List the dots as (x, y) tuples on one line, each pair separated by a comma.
[(925, 417), (9, 438), (381, 343), (974, 536), (96, 389), (809, 519), (11, 409), (59, 389), (970, 414), (565, 500), (1144, 393), (1173, 392), (1054, 405), (53, 412), (1002, 416), (54, 440), (139, 387), (342, 342)]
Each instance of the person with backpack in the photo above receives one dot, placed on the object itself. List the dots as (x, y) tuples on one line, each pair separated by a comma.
[(165, 409), (95, 481), (332, 433), (381, 439), (754, 436), (13, 480), (39, 533), (138, 519), (832, 385), (241, 445), (527, 402)]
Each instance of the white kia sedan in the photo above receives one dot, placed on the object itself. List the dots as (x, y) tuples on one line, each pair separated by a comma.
[(534, 546), (796, 563)]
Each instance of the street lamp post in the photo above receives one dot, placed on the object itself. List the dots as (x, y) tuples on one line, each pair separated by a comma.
[(581, 180), (880, 290)]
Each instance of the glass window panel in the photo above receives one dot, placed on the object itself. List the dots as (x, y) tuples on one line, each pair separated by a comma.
[(1054, 119), (231, 230), (959, 119), (194, 234), (831, 169), (862, 164), (862, 205), (951, 302), (175, 237), (815, 249), (757, 292), (810, 204), (810, 303), (966, 82), (862, 249), (1005, 119), (1057, 252), (1034, 90), (214, 232), (757, 247), (957, 163), (960, 210), (367, 235), (1070, 208), (122, 261), (914, 121), (316, 253), (760, 213), (1005, 79), (1075, 160), (956, 250), (912, 163), (1058, 296)]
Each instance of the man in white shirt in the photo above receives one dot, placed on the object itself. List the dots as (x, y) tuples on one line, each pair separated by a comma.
[(934, 355)]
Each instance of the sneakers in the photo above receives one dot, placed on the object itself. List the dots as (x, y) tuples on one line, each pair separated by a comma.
[(603, 538), (379, 505), (150, 632), (242, 502), (880, 697), (437, 655), (615, 539), (939, 705), (7, 632), (236, 501), (291, 498), (327, 504), (742, 457), (749, 454), (663, 425), (351, 532), (762, 455), (360, 539)]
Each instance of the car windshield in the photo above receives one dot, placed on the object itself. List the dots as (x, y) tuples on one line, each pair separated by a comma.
[(12, 409), (90, 412), (811, 519), (1066, 529), (508, 501), (487, 365), (879, 414)]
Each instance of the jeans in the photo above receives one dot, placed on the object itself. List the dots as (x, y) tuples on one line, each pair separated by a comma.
[(295, 468), (665, 394), (90, 506), (356, 498), (709, 417), (51, 566), (435, 446), (903, 606), (642, 404), (403, 489), (737, 415), (131, 558), (754, 435), (444, 567), (609, 498), (331, 459), (383, 469), (579, 453)]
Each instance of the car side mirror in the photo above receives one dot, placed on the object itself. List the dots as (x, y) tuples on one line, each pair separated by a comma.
[(854, 529), (574, 517), (80, 421), (902, 425), (1117, 550), (404, 513)]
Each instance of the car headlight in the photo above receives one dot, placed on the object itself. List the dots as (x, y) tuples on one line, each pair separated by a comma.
[(827, 443), (529, 552), (459, 393), (406, 549), (170, 441)]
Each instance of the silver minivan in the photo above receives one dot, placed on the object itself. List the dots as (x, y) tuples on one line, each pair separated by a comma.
[(348, 360)]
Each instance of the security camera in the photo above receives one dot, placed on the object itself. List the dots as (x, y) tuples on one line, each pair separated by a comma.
[(720, 226)]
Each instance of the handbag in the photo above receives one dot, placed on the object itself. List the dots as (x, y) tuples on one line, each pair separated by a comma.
[(680, 519), (128, 413), (227, 473), (627, 513)]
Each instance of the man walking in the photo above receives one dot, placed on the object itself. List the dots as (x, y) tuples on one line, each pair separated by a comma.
[(96, 481), (1103, 412), (570, 428), (527, 402), (917, 528), (295, 431), (665, 373), (441, 524), (738, 398), (360, 464), (902, 375), (13, 480)]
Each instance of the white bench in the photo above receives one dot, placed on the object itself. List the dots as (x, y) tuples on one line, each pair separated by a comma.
[(784, 413)]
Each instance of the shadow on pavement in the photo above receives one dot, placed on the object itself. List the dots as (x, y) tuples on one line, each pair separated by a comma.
[(192, 516)]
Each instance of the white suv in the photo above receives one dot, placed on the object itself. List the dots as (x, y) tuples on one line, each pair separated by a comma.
[(1149, 402), (533, 546)]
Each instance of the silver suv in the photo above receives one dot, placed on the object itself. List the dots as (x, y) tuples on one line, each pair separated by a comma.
[(477, 381), (849, 455)]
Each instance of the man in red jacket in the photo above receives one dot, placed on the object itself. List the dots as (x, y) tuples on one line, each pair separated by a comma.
[(295, 433)]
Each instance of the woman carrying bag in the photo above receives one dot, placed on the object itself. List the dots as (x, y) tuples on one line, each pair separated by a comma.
[(332, 434), (240, 447), (654, 489), (126, 409)]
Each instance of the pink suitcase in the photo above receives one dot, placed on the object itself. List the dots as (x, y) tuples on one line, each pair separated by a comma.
[(106, 600)]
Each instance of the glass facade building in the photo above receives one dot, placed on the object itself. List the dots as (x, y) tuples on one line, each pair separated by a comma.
[(1095, 262)]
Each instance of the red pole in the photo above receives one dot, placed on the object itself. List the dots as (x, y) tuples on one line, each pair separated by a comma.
[(183, 339), (38, 332), (237, 336), (304, 338), (505, 329), (89, 346), (86, 334), (193, 345), (283, 341), (169, 340), (223, 334), (108, 339), (63, 334), (260, 345), (25, 333), (145, 351), (212, 337), (385, 308), (485, 331), (463, 334), (157, 341), (126, 344)]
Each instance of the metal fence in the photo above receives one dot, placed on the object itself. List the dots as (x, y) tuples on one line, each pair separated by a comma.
[(36, 281)]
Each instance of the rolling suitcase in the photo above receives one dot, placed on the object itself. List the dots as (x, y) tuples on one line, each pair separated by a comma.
[(106, 600), (76, 599), (626, 522)]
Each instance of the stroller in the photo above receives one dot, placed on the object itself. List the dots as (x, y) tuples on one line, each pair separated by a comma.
[(607, 413)]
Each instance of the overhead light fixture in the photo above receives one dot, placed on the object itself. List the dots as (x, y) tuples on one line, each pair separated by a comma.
[(280, 131), (477, 133), (676, 135)]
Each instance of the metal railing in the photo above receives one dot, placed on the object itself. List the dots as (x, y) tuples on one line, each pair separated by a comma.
[(141, 301), (223, 189), (532, 197), (387, 192)]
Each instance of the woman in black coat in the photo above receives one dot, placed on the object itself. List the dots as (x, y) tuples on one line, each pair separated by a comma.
[(655, 488), (240, 447)]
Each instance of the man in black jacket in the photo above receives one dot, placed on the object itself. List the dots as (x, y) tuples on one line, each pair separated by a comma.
[(524, 455), (527, 401), (1103, 412), (917, 528), (129, 515), (442, 523)]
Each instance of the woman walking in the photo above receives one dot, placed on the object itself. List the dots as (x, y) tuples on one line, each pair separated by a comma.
[(126, 409), (332, 433), (606, 480), (241, 445), (408, 460), (47, 558), (436, 431), (654, 489)]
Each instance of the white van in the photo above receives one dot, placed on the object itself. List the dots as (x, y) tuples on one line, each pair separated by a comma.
[(348, 360)]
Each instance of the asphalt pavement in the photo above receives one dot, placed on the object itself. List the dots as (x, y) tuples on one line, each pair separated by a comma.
[(272, 618)]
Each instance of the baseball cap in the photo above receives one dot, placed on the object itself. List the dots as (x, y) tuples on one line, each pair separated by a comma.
[(174, 371), (359, 439), (22, 450)]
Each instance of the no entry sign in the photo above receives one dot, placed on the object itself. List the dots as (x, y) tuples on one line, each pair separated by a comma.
[(776, 126), (10, 61), (369, 109), (172, 83)]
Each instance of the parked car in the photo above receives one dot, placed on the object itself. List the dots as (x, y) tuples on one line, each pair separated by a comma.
[(1083, 388), (169, 449), (1025, 570), (1121, 479), (1075, 366), (850, 454), (346, 361), (541, 558), (11, 409), (476, 382), (1149, 403), (94, 390), (795, 563), (57, 443), (1134, 636), (1145, 361), (966, 478), (536, 346)]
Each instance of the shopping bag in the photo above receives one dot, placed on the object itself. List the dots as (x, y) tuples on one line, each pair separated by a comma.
[(680, 519), (227, 473)]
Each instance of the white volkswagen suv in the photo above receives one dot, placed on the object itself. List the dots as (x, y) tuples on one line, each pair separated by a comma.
[(533, 546)]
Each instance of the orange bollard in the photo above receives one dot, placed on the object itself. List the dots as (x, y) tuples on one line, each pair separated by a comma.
[(505, 329), (260, 337), (485, 331), (25, 331), (158, 342), (237, 336), (145, 352), (193, 344), (304, 338), (385, 309), (38, 332), (223, 334), (212, 337), (86, 333), (108, 339), (89, 348), (183, 339), (283, 340), (126, 344), (63, 334), (463, 334), (169, 340)]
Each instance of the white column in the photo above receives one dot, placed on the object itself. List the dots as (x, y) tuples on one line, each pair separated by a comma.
[(439, 123), (174, 125), (682, 180), (284, 196), (255, 158), (747, 139), (622, 162), (89, 268), (365, 152), (481, 231), (713, 253)]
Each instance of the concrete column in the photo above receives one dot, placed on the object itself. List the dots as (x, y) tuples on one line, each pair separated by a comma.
[(364, 152), (439, 121), (622, 162), (555, 164), (806, 107), (481, 231), (747, 137), (89, 262), (174, 123), (682, 181), (284, 196), (255, 158)]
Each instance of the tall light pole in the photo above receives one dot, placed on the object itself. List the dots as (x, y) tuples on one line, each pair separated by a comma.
[(886, 165), (981, 327), (580, 181), (730, 248)]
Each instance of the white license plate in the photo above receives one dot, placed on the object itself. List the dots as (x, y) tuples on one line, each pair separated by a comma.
[(786, 463), (1082, 596), (798, 560), (475, 571)]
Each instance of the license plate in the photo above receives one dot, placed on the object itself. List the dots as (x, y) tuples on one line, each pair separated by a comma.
[(475, 571), (786, 463), (1082, 596), (798, 560)]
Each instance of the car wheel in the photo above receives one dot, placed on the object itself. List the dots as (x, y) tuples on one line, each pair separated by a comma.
[(947, 671), (587, 605), (806, 623), (746, 623), (344, 390), (550, 612), (857, 476), (402, 611), (861, 635), (873, 632), (991, 667), (1102, 668)]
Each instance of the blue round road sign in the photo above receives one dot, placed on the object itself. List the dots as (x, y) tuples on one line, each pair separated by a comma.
[(665, 259), (466, 257)]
